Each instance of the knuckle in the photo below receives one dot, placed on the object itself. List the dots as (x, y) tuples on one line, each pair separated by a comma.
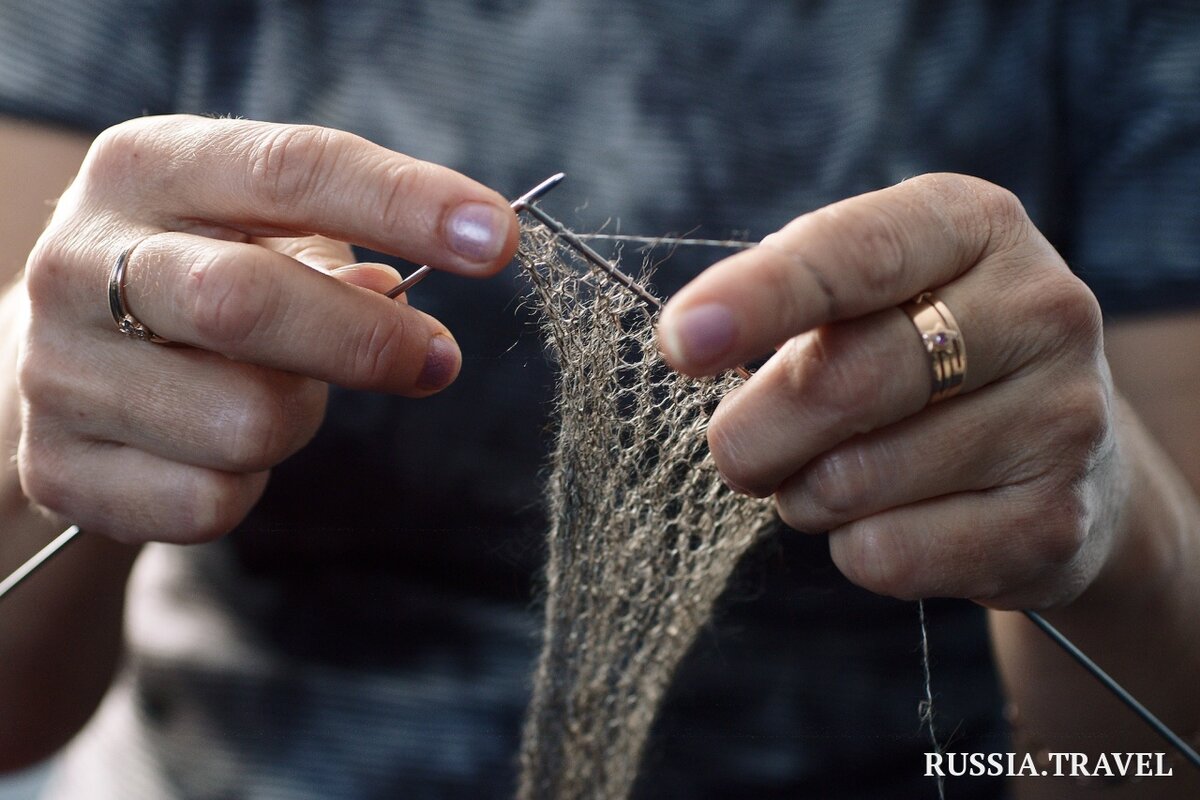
[(115, 152), (872, 557), (270, 422), (304, 411), (212, 505), (46, 270), (727, 442), (884, 244), (777, 277), (830, 491), (874, 238), (1070, 311), (999, 214), (1000, 208), (838, 483), (1077, 436), (46, 381), (42, 474), (121, 156), (1086, 414), (228, 301), (37, 381), (255, 437), (832, 377), (288, 162), (1059, 526), (402, 180), (374, 352)]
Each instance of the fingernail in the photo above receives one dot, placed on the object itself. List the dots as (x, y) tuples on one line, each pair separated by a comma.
[(477, 231), (441, 364), (700, 335)]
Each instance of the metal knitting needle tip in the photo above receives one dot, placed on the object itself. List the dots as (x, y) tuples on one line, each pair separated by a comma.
[(45, 554), (520, 204), (582, 248), (412, 280), (536, 193)]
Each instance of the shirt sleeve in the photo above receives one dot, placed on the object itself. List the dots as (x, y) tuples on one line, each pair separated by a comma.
[(86, 64), (1133, 132)]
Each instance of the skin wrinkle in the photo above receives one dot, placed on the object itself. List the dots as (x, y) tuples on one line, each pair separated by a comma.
[(375, 350), (286, 164), (213, 288), (735, 452), (1059, 564), (841, 481), (884, 240), (880, 453), (794, 257), (978, 190), (859, 551), (406, 180)]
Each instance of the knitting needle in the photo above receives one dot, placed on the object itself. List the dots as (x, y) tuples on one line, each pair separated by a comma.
[(45, 554), (522, 203), (582, 247), (579, 246), (1117, 690)]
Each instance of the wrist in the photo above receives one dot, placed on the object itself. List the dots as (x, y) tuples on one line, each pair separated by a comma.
[(1151, 563)]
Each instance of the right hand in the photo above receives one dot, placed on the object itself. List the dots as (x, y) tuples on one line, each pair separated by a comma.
[(145, 442)]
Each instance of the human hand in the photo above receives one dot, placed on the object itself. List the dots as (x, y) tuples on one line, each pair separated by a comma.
[(238, 232), (1006, 493)]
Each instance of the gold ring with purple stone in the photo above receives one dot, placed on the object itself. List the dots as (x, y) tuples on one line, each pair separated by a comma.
[(943, 340)]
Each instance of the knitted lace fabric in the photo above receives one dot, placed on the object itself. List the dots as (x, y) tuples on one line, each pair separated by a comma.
[(643, 534)]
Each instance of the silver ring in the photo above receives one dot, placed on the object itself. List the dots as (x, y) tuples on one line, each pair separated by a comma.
[(127, 323)]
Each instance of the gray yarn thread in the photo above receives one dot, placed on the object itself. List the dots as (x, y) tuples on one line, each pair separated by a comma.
[(925, 707)]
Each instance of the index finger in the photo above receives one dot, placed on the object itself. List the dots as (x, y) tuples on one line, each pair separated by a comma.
[(266, 179), (848, 259)]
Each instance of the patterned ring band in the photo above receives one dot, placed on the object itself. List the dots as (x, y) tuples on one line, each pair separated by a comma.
[(127, 323), (943, 340)]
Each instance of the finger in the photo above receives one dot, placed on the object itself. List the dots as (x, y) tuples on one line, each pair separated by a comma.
[(1004, 435), (377, 278), (132, 496), (318, 252), (254, 305), (1019, 547), (337, 259), (832, 384), (267, 179), (848, 259), (179, 404), (848, 378)]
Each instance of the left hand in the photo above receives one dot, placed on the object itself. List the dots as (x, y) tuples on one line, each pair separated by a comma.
[(1007, 493)]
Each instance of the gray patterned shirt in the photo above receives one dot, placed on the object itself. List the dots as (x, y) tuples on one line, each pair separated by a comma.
[(335, 647)]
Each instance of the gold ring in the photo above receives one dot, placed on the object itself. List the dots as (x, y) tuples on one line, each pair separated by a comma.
[(943, 340), (127, 323)]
